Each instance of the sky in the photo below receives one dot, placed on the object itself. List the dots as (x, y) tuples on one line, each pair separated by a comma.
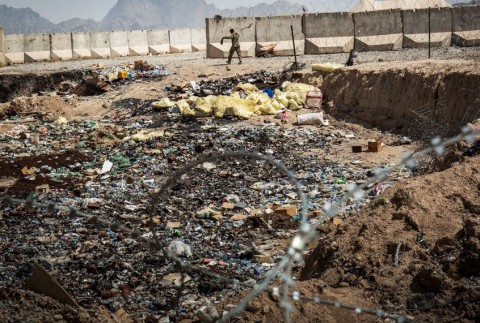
[(60, 10)]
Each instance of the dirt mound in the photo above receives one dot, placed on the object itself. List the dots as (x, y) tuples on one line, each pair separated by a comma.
[(48, 107), (416, 250), (407, 97)]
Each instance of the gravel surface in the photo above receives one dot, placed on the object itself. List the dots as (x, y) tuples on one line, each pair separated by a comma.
[(467, 53)]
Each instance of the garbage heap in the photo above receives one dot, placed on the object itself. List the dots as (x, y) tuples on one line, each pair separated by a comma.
[(245, 102)]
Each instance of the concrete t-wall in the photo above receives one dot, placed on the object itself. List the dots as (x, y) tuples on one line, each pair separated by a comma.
[(199, 39), (277, 32), (137, 43), (328, 32), (378, 30), (180, 40), (416, 27), (37, 48), (119, 44), (100, 44), (81, 46), (466, 26), (3, 60), (14, 48), (61, 47), (158, 41), (219, 27)]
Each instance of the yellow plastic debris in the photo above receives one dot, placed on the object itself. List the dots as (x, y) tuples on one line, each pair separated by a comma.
[(61, 120), (247, 87), (234, 106), (326, 67), (111, 77), (277, 105), (281, 97), (144, 136), (164, 103), (203, 106), (123, 74), (268, 109), (192, 100), (298, 89), (293, 105), (258, 97), (185, 109), (240, 112)]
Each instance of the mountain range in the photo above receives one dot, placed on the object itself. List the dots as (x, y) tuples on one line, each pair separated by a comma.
[(138, 14), (153, 14)]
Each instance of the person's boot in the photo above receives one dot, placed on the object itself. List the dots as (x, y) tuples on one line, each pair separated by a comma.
[(228, 62), (240, 63)]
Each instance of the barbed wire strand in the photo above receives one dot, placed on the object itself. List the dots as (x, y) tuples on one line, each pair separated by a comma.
[(298, 243)]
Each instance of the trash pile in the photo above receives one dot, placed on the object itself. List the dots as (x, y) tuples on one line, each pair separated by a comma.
[(261, 79), (226, 217), (230, 217), (100, 80), (138, 70), (245, 102)]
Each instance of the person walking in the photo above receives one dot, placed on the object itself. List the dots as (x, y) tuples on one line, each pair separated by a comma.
[(235, 38)]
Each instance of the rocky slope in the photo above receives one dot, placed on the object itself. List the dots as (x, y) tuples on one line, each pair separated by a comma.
[(24, 21), (139, 14)]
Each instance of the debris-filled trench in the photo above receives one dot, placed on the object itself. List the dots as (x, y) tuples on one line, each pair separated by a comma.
[(234, 217)]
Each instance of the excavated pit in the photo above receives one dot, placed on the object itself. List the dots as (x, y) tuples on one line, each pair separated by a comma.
[(418, 99), (16, 85)]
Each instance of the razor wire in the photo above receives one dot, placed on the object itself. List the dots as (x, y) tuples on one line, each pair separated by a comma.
[(298, 244)]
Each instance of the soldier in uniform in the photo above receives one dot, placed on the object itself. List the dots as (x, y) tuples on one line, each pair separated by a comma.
[(235, 37)]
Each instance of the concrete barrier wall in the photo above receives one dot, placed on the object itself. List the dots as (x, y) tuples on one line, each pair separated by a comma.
[(466, 26), (314, 34), (276, 31), (137, 43), (180, 40), (119, 44), (218, 28), (61, 47), (158, 41), (81, 46), (328, 32), (100, 45), (416, 26), (3, 60), (14, 48), (378, 30), (199, 39), (37, 48)]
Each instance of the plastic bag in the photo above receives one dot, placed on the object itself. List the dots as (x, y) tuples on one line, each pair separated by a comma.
[(164, 103), (247, 87), (203, 107), (185, 109)]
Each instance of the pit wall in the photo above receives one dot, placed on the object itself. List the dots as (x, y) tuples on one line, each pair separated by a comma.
[(19, 49), (319, 33)]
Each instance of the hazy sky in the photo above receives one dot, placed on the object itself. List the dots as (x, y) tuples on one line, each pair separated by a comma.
[(59, 10)]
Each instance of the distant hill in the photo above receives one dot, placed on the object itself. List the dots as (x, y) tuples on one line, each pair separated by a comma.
[(135, 14), (139, 14), (24, 21), (151, 14), (78, 24)]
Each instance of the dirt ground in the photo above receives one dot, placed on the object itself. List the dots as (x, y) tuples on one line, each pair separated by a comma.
[(430, 223)]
